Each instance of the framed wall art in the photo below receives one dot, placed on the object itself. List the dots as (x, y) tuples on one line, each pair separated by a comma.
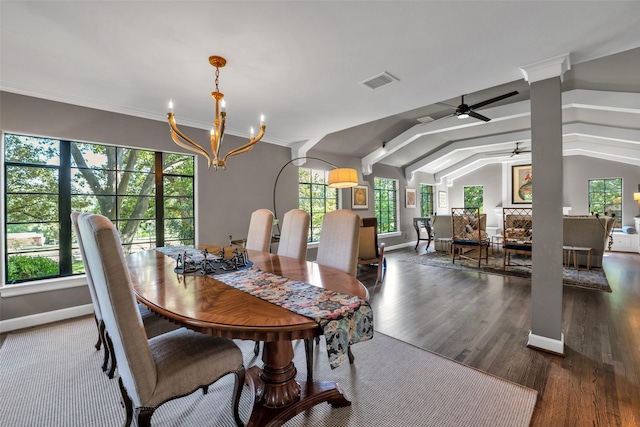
[(410, 199), (360, 197), (521, 184), (442, 199)]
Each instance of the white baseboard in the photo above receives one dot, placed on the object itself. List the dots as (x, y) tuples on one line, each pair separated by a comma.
[(43, 318), (546, 344)]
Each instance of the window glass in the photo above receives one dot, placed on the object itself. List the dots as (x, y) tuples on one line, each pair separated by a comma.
[(426, 200), (386, 204), (474, 197), (316, 198), (605, 198)]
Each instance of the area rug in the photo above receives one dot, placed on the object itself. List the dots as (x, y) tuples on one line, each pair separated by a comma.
[(588, 279), (51, 376)]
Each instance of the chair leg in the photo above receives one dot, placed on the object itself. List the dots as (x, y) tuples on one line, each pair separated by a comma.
[(127, 403), (352, 358), (99, 343), (256, 348), (112, 355), (308, 350), (103, 337), (237, 392), (143, 415)]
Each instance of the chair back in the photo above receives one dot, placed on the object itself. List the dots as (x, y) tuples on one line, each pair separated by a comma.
[(339, 240), (518, 226), (468, 225), (368, 247), (259, 235), (92, 290), (117, 300), (441, 226), (295, 234)]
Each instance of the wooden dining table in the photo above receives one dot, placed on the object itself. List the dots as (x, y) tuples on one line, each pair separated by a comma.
[(206, 305)]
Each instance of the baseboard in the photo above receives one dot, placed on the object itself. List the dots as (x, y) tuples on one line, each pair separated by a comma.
[(546, 344), (44, 318)]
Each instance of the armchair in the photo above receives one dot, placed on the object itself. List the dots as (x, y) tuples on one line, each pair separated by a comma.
[(370, 252), (468, 229)]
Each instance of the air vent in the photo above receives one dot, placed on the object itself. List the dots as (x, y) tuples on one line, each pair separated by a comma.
[(426, 119), (378, 81)]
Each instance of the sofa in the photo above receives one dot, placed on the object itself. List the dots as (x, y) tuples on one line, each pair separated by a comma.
[(590, 232)]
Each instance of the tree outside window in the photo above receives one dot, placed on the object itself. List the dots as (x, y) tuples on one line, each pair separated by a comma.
[(426, 200), (474, 197)]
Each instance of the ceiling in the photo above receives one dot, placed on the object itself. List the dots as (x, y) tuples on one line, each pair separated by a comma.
[(302, 64)]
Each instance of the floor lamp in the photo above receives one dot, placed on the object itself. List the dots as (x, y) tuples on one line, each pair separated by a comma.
[(338, 178)]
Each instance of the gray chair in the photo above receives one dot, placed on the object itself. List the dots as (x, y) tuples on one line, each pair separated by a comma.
[(295, 234), (151, 371), (338, 248), (153, 324), (259, 235), (370, 252)]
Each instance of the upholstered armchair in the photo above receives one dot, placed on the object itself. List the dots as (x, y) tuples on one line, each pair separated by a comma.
[(517, 234)]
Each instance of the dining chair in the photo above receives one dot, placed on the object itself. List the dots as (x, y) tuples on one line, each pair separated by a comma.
[(294, 234), (469, 231), (370, 252), (153, 325), (259, 235), (166, 367), (338, 248)]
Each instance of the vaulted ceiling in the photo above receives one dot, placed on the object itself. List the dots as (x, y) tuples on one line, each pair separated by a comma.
[(302, 64)]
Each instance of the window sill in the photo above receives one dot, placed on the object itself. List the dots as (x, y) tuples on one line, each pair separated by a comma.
[(8, 291)]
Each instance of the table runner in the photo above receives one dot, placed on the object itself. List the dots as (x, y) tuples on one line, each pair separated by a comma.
[(344, 319)]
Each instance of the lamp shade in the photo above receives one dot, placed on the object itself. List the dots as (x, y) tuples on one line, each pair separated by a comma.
[(343, 178), (636, 196)]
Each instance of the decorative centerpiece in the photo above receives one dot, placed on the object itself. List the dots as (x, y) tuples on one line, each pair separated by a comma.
[(202, 262)]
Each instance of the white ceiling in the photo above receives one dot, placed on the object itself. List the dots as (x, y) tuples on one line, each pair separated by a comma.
[(300, 63)]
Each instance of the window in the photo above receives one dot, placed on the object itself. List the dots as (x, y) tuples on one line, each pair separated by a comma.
[(148, 196), (426, 200), (605, 197), (316, 198), (386, 204), (474, 197)]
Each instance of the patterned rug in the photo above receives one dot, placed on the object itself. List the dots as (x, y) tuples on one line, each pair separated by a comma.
[(588, 279)]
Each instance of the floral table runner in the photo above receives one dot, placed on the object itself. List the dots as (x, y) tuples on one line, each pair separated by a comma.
[(344, 319)]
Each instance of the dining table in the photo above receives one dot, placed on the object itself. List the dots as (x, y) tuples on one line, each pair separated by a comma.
[(204, 304)]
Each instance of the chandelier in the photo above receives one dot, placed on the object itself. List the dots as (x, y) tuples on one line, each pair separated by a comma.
[(217, 131)]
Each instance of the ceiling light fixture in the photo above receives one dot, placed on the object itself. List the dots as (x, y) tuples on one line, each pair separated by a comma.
[(217, 131)]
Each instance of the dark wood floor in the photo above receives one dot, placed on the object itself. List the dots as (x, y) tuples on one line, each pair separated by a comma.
[(483, 321)]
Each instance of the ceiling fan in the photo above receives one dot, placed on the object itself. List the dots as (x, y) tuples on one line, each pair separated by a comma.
[(463, 110), (515, 151)]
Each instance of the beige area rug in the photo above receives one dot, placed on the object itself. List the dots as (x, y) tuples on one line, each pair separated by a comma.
[(588, 279), (51, 376)]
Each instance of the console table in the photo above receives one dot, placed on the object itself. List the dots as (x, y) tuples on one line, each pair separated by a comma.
[(422, 222)]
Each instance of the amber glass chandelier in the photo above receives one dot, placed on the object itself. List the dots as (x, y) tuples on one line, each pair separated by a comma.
[(217, 131)]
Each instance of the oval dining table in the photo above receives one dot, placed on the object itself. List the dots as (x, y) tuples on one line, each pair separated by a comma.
[(206, 305)]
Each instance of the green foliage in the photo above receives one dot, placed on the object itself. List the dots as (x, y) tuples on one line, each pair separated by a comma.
[(22, 267), (474, 197), (385, 195), (605, 197)]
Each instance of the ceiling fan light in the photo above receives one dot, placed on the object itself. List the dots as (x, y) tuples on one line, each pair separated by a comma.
[(463, 115)]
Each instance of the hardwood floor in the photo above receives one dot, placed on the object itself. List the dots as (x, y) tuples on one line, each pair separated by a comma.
[(483, 321)]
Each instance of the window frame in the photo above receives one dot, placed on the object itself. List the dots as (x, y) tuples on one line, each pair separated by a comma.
[(384, 226), (315, 218), (67, 245), (619, 212), (426, 195)]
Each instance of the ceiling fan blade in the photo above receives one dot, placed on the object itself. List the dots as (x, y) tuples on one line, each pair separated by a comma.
[(479, 116), (496, 99), (446, 105)]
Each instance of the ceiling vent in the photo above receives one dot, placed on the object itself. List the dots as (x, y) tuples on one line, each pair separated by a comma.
[(378, 81), (426, 119)]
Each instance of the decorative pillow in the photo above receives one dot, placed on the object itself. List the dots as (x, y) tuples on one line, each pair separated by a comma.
[(629, 229)]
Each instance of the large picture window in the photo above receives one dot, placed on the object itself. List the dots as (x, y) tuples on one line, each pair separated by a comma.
[(316, 198), (148, 195), (386, 204), (474, 197), (605, 197)]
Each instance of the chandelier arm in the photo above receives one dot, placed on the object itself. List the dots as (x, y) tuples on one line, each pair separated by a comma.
[(275, 184), (246, 147), (183, 141)]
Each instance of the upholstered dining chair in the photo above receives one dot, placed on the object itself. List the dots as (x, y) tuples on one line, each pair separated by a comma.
[(259, 235), (151, 371), (370, 252), (153, 325), (294, 234), (338, 248), (469, 231)]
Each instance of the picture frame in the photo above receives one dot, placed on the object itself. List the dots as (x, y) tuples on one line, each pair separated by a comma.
[(410, 198), (360, 197), (521, 184), (442, 199)]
